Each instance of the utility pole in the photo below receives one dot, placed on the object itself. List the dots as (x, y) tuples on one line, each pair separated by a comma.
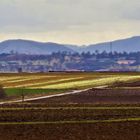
[(22, 94), (111, 46), (111, 52)]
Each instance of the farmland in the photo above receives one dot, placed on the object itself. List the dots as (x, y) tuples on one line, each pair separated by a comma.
[(52, 83), (109, 109), (69, 121)]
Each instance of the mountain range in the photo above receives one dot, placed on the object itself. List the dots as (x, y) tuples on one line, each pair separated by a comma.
[(33, 47)]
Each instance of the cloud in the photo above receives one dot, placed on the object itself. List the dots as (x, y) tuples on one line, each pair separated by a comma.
[(65, 16)]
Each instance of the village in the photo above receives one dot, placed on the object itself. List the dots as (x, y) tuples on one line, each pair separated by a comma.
[(70, 62)]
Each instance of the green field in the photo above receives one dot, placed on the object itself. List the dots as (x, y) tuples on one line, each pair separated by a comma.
[(20, 91)]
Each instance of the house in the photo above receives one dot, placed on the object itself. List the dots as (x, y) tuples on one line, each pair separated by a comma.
[(126, 62)]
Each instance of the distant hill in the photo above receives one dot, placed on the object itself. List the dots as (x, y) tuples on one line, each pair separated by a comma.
[(129, 45), (32, 47)]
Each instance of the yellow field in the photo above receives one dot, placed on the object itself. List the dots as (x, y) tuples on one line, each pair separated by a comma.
[(63, 80)]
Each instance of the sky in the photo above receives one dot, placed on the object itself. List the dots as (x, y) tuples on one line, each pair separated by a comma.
[(69, 21)]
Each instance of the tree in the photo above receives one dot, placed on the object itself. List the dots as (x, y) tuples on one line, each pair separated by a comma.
[(2, 92)]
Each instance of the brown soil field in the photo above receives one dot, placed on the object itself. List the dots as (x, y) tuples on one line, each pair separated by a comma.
[(97, 114), (97, 131), (69, 122), (98, 96), (127, 84)]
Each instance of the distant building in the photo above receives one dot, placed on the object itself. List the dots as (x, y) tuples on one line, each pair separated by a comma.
[(126, 62)]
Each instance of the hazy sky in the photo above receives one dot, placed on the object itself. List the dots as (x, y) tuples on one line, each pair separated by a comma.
[(69, 21)]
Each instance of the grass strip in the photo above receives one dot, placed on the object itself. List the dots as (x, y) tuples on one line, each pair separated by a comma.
[(71, 108), (72, 122)]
